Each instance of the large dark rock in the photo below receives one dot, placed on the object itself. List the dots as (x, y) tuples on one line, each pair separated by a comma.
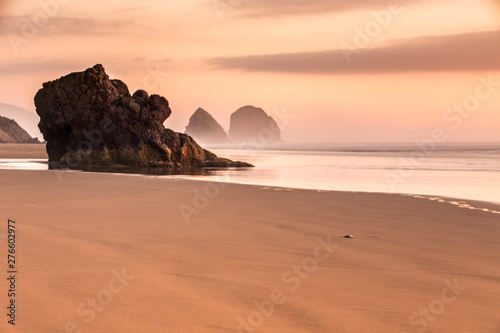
[(11, 132), (252, 125), (89, 120), (204, 128)]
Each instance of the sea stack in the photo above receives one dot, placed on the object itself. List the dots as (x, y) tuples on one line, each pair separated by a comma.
[(89, 120), (251, 124), (205, 129), (11, 132)]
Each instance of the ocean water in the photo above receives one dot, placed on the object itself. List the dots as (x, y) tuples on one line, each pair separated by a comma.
[(458, 172), (466, 172)]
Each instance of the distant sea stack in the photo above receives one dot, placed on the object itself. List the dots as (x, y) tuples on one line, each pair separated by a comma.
[(11, 132), (205, 129), (251, 124), (89, 120)]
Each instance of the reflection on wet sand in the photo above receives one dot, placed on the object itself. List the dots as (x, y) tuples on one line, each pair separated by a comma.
[(187, 171)]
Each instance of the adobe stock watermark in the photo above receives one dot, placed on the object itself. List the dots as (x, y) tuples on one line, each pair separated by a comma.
[(224, 8), (291, 279), (30, 26), (267, 135), (87, 311), (365, 35), (420, 320), (94, 138), (211, 190), (486, 88), (154, 78), (201, 200), (454, 117)]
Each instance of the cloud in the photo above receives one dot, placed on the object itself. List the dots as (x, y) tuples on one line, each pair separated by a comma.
[(41, 65), (63, 25), (477, 51), (137, 26), (266, 8)]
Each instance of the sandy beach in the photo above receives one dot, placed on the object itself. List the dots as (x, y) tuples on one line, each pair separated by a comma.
[(118, 253)]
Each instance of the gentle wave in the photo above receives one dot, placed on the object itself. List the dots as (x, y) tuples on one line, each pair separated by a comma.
[(460, 204)]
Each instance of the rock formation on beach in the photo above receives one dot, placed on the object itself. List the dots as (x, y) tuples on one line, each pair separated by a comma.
[(11, 132), (204, 128), (251, 124), (89, 120)]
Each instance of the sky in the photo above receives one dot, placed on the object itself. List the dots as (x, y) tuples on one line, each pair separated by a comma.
[(327, 70)]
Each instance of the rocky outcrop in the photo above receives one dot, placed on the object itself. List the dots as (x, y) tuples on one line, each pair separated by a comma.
[(11, 132), (89, 120), (28, 120), (204, 128), (251, 124)]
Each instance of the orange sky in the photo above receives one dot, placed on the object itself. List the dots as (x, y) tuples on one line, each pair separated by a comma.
[(278, 55)]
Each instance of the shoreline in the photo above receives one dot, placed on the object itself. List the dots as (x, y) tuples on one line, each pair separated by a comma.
[(488, 206), (37, 151), (474, 204)]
